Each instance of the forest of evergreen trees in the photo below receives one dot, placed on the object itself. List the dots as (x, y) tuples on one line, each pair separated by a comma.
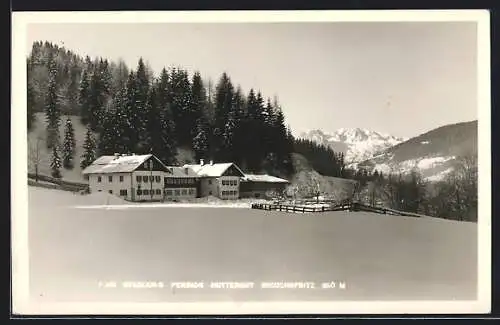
[(134, 111)]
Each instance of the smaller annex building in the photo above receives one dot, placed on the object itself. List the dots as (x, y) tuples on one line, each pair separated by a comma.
[(262, 186), (131, 177), (221, 180), (181, 184)]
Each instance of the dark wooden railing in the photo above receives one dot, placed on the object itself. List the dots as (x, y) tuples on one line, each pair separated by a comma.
[(348, 206)]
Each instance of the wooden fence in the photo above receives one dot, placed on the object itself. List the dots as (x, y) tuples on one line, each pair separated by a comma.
[(55, 183), (354, 206)]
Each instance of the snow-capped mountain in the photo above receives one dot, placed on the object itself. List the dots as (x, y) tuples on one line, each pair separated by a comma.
[(357, 144)]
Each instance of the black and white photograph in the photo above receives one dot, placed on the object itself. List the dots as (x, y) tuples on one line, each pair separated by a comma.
[(251, 162)]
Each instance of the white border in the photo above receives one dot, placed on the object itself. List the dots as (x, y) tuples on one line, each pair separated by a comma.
[(20, 266)]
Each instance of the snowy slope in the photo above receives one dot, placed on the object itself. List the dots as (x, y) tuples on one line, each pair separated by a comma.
[(357, 144), (434, 153)]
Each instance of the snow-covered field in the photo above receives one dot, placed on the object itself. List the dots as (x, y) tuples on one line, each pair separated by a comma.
[(377, 257)]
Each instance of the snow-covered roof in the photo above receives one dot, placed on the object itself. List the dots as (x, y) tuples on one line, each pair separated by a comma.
[(263, 178), (112, 164), (181, 172), (212, 170)]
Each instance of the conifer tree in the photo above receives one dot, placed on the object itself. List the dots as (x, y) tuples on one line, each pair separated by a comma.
[(233, 135), (168, 140), (89, 149), (119, 78), (52, 110), (84, 97), (138, 91), (111, 140), (99, 88), (180, 92), (73, 88), (69, 145), (251, 124), (223, 102), (197, 103), (55, 164), (131, 120), (201, 140), (282, 142)]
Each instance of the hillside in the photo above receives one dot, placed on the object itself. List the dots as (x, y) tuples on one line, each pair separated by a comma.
[(39, 131), (357, 144), (306, 181), (433, 153)]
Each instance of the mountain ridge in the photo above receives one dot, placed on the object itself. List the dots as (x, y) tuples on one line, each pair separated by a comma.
[(434, 153), (357, 144)]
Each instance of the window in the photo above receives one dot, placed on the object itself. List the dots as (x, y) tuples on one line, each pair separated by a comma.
[(110, 179), (138, 178), (210, 183), (145, 192), (177, 192), (121, 178), (190, 181), (123, 192), (169, 192), (210, 193), (184, 191), (191, 191), (139, 192), (110, 191), (99, 179), (158, 179), (158, 191), (151, 179), (145, 179)]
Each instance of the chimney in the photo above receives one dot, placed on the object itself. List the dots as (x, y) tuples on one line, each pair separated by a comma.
[(211, 162), (186, 171), (117, 155), (202, 162)]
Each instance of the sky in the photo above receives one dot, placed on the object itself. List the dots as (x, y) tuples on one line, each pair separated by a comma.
[(399, 78)]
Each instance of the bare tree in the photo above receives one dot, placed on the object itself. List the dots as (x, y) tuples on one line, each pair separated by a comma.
[(462, 183), (34, 155)]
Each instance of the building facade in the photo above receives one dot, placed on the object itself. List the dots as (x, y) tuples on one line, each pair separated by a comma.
[(181, 184), (220, 180), (131, 177), (145, 178), (262, 186)]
